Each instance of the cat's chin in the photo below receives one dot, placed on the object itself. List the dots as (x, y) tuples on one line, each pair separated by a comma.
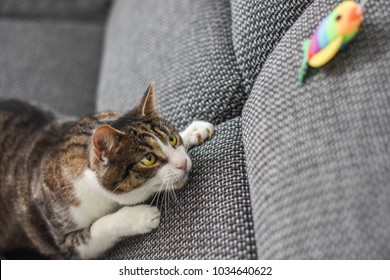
[(181, 182)]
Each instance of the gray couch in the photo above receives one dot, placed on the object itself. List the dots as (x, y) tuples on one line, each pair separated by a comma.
[(293, 171)]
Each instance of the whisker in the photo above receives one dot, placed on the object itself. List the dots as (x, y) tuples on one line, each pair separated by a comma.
[(165, 200), (116, 189), (158, 196), (147, 189), (175, 196), (169, 195), (155, 195), (162, 196), (165, 186), (166, 190)]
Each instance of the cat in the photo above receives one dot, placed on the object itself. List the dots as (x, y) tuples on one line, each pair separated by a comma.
[(71, 189)]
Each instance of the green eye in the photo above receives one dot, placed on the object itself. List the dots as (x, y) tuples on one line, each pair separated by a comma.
[(149, 159), (172, 140)]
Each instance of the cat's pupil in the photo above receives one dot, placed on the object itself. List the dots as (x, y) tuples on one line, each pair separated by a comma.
[(149, 156)]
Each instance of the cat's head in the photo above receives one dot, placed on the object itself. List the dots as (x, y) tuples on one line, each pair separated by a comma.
[(139, 154)]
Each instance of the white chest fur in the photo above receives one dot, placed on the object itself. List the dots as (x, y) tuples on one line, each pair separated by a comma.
[(93, 201)]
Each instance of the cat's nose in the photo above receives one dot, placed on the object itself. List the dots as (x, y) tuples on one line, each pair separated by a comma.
[(182, 164)]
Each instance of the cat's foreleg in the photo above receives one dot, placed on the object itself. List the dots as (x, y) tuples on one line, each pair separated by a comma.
[(196, 133), (105, 232)]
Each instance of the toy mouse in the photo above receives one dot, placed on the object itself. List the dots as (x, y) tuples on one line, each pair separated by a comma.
[(333, 33)]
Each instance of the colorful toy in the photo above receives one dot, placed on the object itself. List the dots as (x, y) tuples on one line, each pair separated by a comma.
[(333, 33)]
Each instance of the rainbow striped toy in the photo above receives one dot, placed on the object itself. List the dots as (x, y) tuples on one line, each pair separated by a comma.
[(334, 32)]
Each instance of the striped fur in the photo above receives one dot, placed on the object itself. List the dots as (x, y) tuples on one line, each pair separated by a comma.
[(52, 173)]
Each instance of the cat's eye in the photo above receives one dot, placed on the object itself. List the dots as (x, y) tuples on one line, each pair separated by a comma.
[(149, 159), (172, 140)]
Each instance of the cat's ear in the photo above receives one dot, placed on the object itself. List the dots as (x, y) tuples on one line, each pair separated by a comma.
[(147, 106), (104, 140)]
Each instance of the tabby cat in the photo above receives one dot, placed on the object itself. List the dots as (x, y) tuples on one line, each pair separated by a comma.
[(72, 189)]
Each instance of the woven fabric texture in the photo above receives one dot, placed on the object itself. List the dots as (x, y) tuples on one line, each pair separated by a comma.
[(257, 27), (55, 9), (318, 154), (52, 63), (185, 46), (211, 218)]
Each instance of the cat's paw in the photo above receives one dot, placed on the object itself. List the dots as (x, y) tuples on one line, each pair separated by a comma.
[(109, 229), (141, 219), (197, 133)]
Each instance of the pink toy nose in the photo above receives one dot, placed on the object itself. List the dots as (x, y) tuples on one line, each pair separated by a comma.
[(182, 165), (356, 13)]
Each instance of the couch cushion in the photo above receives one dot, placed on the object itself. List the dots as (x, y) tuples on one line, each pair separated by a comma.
[(55, 9), (185, 46), (318, 154), (211, 218), (54, 63), (257, 27)]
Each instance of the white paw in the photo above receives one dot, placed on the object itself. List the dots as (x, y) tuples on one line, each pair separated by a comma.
[(139, 219), (197, 133), (109, 229)]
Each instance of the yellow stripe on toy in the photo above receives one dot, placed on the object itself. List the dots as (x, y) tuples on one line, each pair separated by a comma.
[(327, 53), (334, 32)]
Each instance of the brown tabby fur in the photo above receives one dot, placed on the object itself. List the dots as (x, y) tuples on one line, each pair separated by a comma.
[(36, 193)]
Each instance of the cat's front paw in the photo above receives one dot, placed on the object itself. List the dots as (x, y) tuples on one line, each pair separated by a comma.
[(197, 133), (141, 218), (109, 229)]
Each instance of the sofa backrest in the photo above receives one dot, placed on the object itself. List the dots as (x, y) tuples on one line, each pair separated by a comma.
[(318, 153), (257, 26), (185, 47), (55, 9)]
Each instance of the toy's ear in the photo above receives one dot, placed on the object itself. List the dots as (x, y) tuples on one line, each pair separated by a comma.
[(147, 106), (104, 139)]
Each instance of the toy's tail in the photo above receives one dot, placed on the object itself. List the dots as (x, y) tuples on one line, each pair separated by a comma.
[(304, 65)]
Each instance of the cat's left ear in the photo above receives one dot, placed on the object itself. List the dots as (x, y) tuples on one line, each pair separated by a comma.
[(147, 106), (104, 140)]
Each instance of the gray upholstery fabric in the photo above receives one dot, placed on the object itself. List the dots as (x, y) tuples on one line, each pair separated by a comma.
[(318, 154), (54, 63), (212, 217), (55, 9), (185, 46), (257, 27)]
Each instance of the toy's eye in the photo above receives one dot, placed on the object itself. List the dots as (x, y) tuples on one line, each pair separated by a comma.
[(172, 140), (338, 17), (149, 159)]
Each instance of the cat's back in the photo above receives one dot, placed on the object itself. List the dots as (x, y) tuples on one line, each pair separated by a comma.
[(19, 121), (19, 115), (27, 133)]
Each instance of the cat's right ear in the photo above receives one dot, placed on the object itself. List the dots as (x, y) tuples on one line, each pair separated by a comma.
[(147, 106), (104, 140)]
